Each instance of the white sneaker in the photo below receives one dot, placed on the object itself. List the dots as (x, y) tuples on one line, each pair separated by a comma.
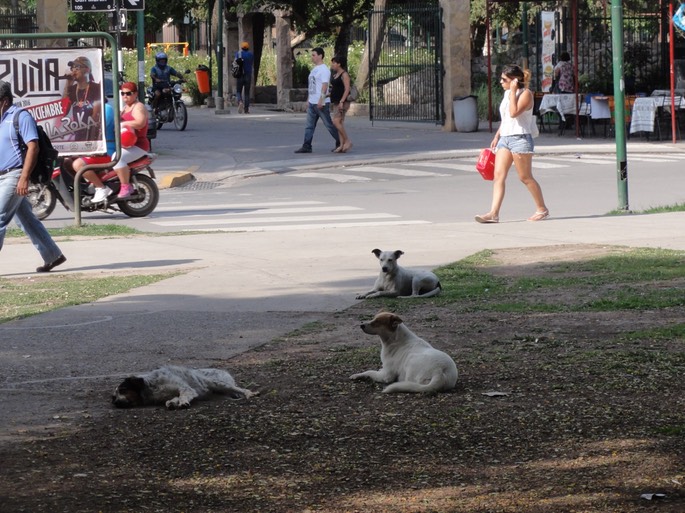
[(101, 194), (241, 108)]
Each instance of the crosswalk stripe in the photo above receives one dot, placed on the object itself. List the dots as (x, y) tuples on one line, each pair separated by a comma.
[(582, 160), (284, 219), (337, 177), (446, 165), (170, 207), (538, 164), (278, 228), (392, 171)]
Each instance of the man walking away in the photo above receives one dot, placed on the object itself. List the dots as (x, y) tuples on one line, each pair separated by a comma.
[(318, 102), (244, 81), (15, 170)]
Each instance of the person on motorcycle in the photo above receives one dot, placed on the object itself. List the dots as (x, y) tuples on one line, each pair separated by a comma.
[(134, 115), (161, 75), (101, 190)]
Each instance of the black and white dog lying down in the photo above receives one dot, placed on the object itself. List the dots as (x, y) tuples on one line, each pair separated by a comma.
[(176, 387)]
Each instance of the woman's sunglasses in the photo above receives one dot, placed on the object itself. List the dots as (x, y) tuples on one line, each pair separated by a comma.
[(127, 93)]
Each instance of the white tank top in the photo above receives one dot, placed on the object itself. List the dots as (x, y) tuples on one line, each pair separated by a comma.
[(514, 126)]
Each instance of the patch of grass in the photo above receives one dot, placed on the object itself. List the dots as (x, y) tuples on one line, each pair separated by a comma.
[(86, 230), (672, 430), (25, 297), (614, 282), (678, 207), (674, 332)]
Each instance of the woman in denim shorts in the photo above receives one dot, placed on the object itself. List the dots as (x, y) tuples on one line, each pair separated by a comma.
[(513, 143)]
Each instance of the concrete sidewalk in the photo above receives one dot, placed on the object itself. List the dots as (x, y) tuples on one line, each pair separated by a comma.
[(237, 291)]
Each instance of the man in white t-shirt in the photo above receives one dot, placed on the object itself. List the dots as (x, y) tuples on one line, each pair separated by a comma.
[(319, 103)]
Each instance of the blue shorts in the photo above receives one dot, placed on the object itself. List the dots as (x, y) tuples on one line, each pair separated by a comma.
[(522, 143)]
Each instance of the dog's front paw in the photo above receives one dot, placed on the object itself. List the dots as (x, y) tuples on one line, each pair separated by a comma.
[(360, 375), (361, 296), (177, 404)]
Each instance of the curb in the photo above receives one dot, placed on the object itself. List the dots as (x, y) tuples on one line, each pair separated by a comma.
[(177, 179)]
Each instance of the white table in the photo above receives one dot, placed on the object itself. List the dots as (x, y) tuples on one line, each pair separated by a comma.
[(560, 103), (643, 115)]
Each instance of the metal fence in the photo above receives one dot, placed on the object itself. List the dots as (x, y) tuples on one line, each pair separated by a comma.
[(645, 50), (406, 70), (16, 20)]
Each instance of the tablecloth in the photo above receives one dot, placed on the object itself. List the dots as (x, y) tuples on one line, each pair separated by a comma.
[(561, 103), (642, 117)]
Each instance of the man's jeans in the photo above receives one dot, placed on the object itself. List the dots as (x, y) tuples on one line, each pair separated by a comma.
[(313, 115), (243, 82), (10, 204)]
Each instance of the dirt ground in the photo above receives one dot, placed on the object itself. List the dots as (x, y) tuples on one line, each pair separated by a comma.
[(589, 418)]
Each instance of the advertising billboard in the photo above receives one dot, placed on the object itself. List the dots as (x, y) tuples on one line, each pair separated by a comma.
[(63, 90)]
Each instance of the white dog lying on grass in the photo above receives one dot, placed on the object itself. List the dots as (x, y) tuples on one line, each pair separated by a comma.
[(397, 281), (176, 387), (409, 363)]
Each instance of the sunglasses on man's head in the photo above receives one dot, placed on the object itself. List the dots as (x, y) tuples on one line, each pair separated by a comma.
[(127, 93)]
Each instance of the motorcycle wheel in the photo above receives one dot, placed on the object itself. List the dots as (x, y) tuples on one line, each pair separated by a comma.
[(43, 200), (146, 203), (181, 117)]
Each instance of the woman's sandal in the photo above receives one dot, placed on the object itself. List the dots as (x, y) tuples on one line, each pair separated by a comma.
[(339, 149), (539, 216), (487, 219)]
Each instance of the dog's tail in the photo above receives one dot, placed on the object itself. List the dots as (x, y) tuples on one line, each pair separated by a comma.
[(432, 293), (438, 383)]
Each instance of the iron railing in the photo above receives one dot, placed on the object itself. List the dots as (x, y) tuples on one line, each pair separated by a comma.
[(405, 65), (17, 20)]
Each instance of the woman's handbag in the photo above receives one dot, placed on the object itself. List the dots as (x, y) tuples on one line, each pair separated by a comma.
[(486, 164), (353, 94)]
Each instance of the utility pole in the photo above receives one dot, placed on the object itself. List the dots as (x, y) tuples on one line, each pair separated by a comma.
[(619, 103), (140, 46), (524, 22), (220, 57)]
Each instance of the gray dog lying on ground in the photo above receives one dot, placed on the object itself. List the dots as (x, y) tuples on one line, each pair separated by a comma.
[(176, 387), (397, 281), (408, 362)]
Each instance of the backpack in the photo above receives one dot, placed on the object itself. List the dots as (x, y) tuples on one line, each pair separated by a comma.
[(237, 66), (47, 154)]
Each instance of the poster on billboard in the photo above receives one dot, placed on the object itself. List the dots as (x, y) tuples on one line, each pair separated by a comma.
[(63, 90), (547, 21)]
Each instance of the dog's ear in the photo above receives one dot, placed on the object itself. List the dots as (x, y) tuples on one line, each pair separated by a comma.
[(395, 321), (398, 254), (134, 383), (376, 252)]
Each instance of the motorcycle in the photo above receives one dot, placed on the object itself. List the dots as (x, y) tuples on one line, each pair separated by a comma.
[(170, 107), (142, 202)]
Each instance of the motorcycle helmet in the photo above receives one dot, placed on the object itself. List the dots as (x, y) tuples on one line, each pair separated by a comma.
[(161, 56), (128, 137)]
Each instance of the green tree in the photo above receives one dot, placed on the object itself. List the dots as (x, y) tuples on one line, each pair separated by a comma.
[(317, 18)]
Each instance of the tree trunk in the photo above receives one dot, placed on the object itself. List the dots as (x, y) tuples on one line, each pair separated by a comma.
[(376, 34), (342, 42)]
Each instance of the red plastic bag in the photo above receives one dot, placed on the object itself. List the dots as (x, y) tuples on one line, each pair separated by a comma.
[(486, 164)]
